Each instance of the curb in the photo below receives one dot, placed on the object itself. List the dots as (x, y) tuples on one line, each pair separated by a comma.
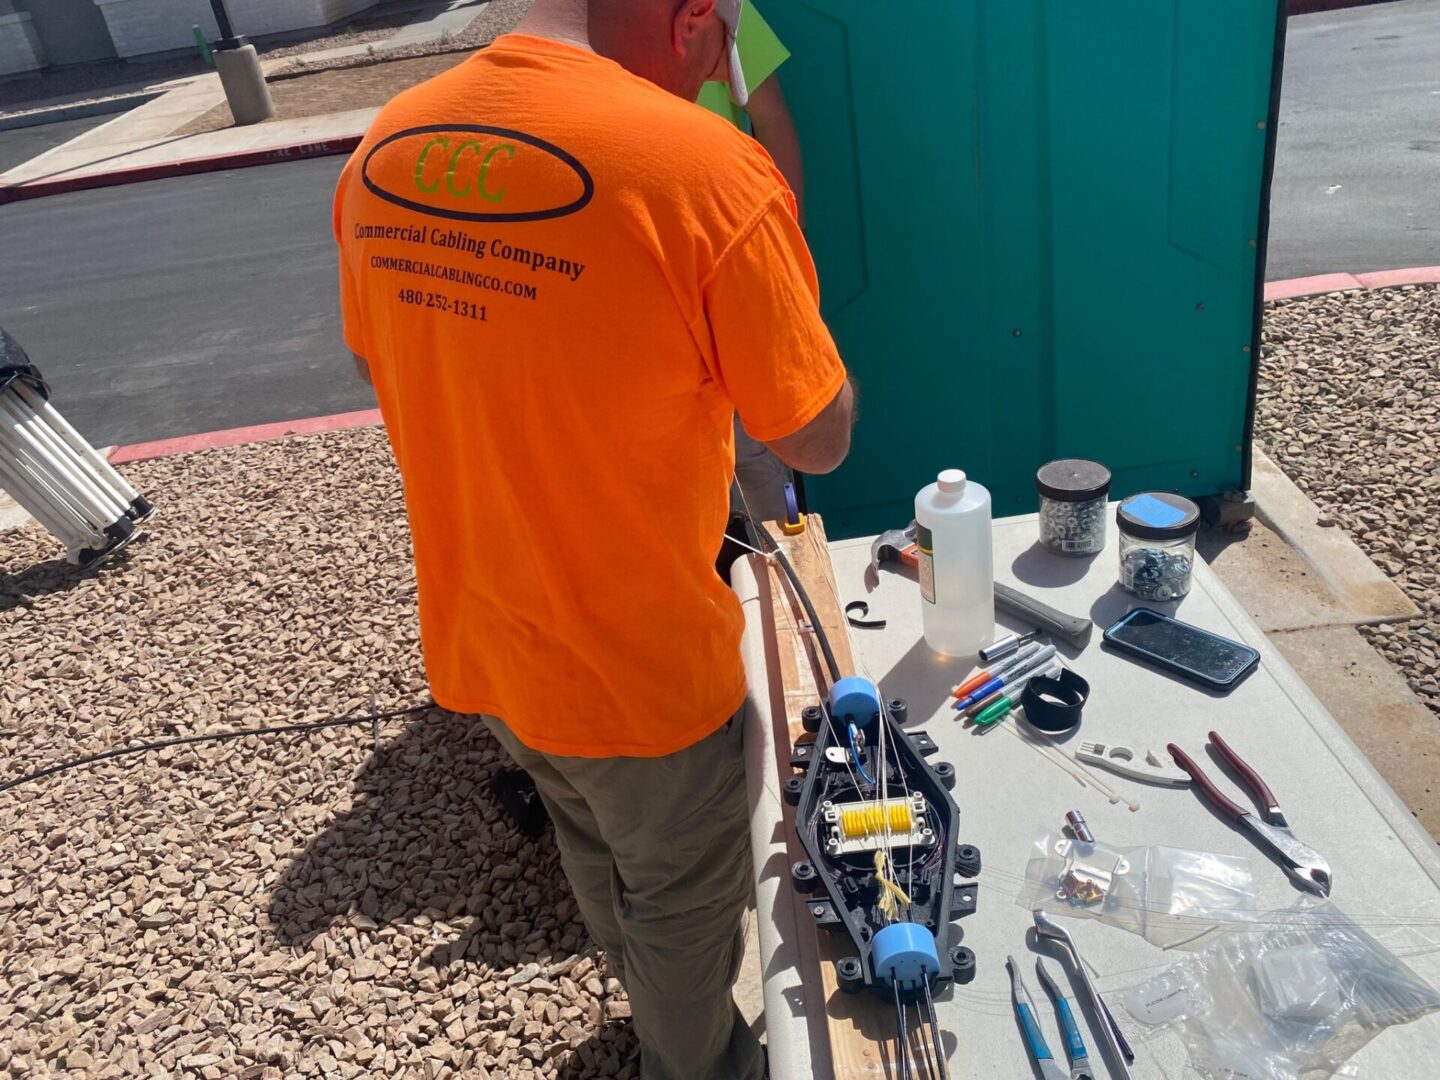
[(1315, 7), (209, 440), (1328, 550), (60, 113), (1376, 279), (242, 159)]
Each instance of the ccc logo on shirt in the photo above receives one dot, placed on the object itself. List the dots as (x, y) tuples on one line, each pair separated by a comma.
[(470, 172)]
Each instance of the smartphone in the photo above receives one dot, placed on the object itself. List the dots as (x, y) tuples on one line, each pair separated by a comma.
[(1186, 650)]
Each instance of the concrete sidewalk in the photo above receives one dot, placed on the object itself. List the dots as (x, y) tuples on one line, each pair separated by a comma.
[(140, 144), (142, 137)]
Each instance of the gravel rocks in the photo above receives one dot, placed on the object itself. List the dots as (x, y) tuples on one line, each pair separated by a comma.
[(298, 906), (1349, 407), (495, 18)]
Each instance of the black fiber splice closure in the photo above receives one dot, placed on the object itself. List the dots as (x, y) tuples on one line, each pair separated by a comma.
[(842, 887), (842, 890), (1055, 705)]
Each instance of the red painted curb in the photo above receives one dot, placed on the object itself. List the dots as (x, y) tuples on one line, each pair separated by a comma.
[(1377, 279), (1309, 286), (242, 159), (1388, 279), (186, 444), (1311, 7)]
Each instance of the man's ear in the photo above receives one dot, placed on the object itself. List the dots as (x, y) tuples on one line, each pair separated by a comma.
[(688, 18)]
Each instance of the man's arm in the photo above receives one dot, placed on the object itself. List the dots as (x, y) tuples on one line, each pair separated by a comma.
[(772, 354), (774, 129), (821, 445)]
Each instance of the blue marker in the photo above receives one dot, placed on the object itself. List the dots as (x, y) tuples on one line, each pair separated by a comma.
[(1008, 677)]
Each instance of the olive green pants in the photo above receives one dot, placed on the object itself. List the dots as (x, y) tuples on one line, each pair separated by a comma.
[(658, 853)]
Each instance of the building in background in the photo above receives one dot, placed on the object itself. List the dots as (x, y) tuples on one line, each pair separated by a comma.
[(20, 48), (38, 33)]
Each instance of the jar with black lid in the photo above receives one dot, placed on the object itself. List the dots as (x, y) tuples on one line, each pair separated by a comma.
[(1073, 496)]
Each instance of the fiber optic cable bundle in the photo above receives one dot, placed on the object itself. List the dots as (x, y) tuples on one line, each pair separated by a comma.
[(51, 471)]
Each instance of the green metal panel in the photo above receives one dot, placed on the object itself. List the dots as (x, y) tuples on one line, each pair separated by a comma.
[(1038, 228)]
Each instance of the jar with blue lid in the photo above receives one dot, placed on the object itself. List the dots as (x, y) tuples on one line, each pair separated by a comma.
[(1157, 544)]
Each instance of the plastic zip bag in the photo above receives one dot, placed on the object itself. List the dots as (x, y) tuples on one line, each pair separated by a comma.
[(1169, 896), (1293, 997)]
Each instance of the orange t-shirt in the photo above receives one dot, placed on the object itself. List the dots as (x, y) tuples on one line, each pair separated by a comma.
[(566, 281)]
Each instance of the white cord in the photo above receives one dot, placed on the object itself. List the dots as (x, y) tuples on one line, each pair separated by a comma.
[(883, 741)]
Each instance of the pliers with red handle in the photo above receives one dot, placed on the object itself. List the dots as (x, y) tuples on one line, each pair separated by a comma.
[(1306, 866)]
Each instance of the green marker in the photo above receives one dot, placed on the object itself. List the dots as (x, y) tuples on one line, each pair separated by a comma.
[(998, 710)]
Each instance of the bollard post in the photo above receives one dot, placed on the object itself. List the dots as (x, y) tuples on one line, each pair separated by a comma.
[(222, 19), (240, 74)]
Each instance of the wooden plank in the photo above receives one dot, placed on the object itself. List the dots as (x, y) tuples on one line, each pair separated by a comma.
[(861, 1027)]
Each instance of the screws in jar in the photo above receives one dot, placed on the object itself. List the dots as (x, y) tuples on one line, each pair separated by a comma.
[(1152, 574), (1073, 527)]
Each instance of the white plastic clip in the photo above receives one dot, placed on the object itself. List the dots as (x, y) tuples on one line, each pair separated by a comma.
[(1144, 765)]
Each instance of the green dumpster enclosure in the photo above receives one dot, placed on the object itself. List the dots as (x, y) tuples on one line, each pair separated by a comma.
[(1040, 231)]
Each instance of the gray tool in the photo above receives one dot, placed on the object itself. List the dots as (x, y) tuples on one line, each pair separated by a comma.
[(1072, 628), (899, 545), (1006, 645), (1074, 1044), (1047, 928)]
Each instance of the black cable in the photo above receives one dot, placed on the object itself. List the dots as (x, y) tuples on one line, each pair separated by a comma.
[(819, 630), (321, 725), (222, 736)]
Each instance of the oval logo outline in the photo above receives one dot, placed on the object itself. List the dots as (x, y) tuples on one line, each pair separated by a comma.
[(554, 151)]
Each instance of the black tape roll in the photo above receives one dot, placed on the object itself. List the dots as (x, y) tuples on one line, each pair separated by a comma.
[(1055, 705)]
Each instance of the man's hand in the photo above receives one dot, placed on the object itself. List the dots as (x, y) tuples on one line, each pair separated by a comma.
[(362, 368), (821, 445)]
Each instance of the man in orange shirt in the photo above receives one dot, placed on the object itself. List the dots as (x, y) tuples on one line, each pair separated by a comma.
[(564, 279)]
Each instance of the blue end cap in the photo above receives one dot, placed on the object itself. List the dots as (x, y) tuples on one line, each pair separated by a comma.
[(855, 700), (904, 953)]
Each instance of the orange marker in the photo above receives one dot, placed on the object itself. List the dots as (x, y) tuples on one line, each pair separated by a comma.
[(973, 683), (1013, 662)]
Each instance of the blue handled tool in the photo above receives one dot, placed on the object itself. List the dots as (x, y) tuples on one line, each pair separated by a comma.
[(1074, 1044), (1034, 1040)]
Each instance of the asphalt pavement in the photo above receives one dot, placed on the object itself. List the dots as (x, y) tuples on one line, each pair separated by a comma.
[(1357, 160), (19, 145), (181, 306)]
